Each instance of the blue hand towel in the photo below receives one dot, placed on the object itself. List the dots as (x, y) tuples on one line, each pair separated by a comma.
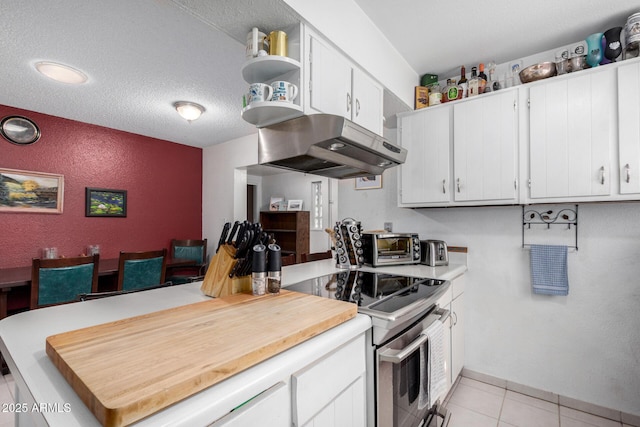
[(549, 270)]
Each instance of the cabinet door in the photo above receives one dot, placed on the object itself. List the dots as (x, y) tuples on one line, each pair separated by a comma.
[(330, 81), (457, 336), (424, 177), (345, 410), (445, 303), (485, 148), (270, 408), (325, 381), (366, 104), (629, 113), (572, 121)]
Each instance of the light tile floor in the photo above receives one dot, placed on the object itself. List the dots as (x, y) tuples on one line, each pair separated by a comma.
[(477, 404), (472, 404)]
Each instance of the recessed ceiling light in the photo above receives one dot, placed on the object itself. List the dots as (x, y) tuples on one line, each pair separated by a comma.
[(189, 110), (61, 73)]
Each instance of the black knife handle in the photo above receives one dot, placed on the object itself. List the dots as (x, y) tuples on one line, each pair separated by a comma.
[(233, 232), (235, 268), (223, 235)]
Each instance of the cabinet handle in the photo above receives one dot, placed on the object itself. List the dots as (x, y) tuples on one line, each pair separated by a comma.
[(455, 318), (602, 175), (357, 107), (627, 172), (458, 184), (444, 186), (348, 102)]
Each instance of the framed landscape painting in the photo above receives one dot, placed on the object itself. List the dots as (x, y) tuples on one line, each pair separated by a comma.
[(31, 192), (106, 202)]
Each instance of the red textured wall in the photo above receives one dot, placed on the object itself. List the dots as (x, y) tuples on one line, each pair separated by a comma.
[(163, 182)]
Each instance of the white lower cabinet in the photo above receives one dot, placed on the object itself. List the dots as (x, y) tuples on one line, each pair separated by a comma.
[(331, 392), (453, 300), (457, 331), (270, 408), (445, 303)]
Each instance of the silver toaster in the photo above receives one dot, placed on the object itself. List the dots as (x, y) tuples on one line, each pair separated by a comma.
[(434, 253)]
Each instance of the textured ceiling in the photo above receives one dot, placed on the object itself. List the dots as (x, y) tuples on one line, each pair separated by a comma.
[(440, 36), (142, 56)]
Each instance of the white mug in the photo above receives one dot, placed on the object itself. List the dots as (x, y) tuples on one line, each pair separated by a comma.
[(256, 43), (284, 91), (259, 92)]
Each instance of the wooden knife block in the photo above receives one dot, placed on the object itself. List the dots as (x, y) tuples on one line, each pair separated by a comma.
[(217, 282)]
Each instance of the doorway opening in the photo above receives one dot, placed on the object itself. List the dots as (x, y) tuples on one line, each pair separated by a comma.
[(252, 202)]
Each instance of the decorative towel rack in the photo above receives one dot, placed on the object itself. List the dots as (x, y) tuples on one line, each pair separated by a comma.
[(550, 217)]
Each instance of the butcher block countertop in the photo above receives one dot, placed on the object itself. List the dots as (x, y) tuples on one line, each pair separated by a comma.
[(128, 369)]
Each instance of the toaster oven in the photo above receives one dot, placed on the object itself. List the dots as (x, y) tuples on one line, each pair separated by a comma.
[(390, 248)]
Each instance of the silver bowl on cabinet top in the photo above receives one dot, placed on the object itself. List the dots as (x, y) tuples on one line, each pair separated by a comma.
[(538, 72)]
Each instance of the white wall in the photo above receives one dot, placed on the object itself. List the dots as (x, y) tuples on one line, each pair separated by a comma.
[(224, 187), (586, 345), (297, 186), (354, 33)]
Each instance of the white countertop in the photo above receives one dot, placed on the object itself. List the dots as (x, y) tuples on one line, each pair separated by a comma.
[(22, 342)]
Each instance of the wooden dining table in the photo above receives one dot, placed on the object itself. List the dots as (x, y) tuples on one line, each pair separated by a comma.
[(17, 277)]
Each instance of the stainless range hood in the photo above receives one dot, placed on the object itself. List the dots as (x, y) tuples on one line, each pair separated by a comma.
[(327, 145)]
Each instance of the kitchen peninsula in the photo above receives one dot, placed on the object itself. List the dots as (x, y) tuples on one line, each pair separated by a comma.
[(336, 355)]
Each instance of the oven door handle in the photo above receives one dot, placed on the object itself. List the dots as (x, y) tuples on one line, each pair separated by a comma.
[(444, 314), (397, 356)]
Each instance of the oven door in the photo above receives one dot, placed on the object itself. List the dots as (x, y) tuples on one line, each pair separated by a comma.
[(402, 379)]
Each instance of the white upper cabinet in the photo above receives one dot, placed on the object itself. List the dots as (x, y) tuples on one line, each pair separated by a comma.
[(424, 177), (366, 102), (572, 130), (629, 132), (330, 80), (336, 86), (485, 154)]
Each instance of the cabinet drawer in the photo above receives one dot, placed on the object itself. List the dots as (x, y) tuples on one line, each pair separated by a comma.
[(315, 386), (269, 408)]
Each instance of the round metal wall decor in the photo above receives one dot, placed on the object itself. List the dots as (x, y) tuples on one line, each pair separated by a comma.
[(19, 130)]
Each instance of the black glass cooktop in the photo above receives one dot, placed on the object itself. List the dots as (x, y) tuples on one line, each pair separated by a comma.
[(376, 291)]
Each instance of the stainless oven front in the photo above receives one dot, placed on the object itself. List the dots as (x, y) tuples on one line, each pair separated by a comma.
[(402, 379)]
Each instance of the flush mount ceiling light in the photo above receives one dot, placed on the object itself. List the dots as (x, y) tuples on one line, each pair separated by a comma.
[(189, 111), (61, 73)]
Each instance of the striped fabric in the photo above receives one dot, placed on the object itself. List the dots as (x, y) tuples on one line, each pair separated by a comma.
[(549, 270)]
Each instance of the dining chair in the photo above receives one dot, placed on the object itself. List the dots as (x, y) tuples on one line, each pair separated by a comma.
[(316, 256), (61, 280), (141, 270), (195, 250)]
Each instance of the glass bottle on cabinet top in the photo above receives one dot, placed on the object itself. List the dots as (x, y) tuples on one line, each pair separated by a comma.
[(474, 83), (462, 83), (482, 79)]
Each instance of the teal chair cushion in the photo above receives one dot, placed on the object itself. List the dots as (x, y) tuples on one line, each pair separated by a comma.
[(189, 252), (142, 273), (64, 284)]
